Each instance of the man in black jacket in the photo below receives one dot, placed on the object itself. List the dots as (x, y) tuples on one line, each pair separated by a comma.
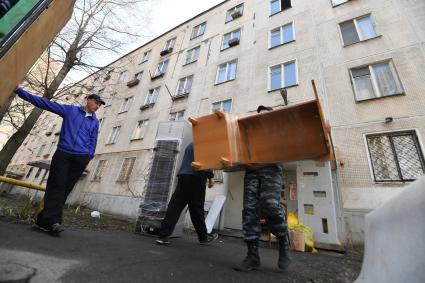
[(190, 191)]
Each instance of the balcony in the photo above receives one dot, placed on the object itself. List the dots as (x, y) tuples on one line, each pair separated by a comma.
[(133, 82), (147, 106), (166, 51), (157, 76), (233, 42), (180, 95)]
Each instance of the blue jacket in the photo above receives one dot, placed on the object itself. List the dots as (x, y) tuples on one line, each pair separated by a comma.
[(78, 133), (186, 167)]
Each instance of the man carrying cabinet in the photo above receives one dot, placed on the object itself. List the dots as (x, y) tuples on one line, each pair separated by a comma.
[(76, 147)]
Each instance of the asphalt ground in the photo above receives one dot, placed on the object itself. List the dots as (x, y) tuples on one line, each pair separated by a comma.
[(85, 255)]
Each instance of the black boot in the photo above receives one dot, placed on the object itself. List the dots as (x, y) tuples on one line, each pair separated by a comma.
[(252, 259), (284, 260)]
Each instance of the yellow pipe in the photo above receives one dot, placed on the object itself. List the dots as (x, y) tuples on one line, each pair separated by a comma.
[(29, 186), (22, 184)]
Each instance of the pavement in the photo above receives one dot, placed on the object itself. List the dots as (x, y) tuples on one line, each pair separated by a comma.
[(83, 255)]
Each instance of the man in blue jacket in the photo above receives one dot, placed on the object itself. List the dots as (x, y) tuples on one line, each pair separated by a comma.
[(76, 147)]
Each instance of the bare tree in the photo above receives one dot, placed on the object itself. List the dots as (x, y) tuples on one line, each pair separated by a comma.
[(97, 26)]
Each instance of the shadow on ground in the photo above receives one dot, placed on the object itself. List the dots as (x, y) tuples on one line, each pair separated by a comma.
[(86, 254)]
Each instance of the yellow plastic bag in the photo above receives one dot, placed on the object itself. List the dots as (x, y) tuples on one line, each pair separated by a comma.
[(295, 225)]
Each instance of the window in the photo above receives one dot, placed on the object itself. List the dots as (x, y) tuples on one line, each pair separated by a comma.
[(225, 105), (136, 79), (101, 121), (121, 76), (169, 45), (152, 96), (226, 72), (29, 172), (40, 151), (192, 55), (231, 39), (52, 146), (138, 76), (234, 13), (338, 2), (126, 104), (282, 35), (50, 127), (113, 135), (184, 86), (356, 30), (126, 169), (100, 169), (139, 131), (375, 81), (198, 30), (161, 68), (279, 5), (108, 75), (38, 173), (108, 100), (176, 116), (395, 156), (282, 76), (146, 56)]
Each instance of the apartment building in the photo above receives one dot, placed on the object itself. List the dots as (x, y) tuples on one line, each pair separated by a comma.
[(367, 58)]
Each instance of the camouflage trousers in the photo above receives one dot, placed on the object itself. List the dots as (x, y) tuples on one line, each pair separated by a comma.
[(262, 193)]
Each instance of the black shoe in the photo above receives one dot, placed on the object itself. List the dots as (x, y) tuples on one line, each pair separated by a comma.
[(210, 238), (163, 241), (56, 229), (284, 260), (41, 227), (252, 259)]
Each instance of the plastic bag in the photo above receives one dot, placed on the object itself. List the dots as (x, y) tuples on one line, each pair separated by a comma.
[(295, 225)]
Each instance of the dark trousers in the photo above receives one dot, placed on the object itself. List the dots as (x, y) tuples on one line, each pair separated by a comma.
[(65, 170), (262, 193), (190, 191)]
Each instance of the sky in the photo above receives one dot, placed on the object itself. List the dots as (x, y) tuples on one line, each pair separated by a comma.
[(164, 15)]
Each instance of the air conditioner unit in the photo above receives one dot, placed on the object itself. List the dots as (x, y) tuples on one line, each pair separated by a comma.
[(171, 140)]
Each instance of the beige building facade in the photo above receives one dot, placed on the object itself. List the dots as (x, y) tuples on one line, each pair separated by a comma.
[(367, 58)]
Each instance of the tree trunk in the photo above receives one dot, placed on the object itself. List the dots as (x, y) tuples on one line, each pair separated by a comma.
[(16, 140), (6, 105)]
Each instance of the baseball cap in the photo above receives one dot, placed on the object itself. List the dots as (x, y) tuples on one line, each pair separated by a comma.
[(97, 98)]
